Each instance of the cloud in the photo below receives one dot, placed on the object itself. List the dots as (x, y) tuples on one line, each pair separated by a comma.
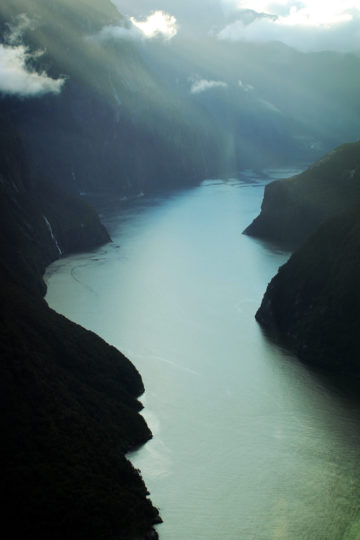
[(157, 25), (17, 78), (306, 25), (309, 12), (245, 87), (119, 32), (17, 27), (202, 85)]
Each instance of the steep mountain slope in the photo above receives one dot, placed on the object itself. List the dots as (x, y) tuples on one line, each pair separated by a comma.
[(127, 119), (113, 126), (69, 408), (295, 207), (39, 222), (313, 304), (277, 105)]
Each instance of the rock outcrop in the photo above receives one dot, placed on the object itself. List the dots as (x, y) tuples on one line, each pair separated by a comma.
[(293, 208), (312, 306)]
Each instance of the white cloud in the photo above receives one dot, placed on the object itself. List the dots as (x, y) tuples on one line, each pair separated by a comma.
[(306, 25), (156, 24), (202, 85), (16, 78), (309, 12), (246, 87)]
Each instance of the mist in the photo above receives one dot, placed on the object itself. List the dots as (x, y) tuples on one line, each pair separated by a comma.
[(175, 80)]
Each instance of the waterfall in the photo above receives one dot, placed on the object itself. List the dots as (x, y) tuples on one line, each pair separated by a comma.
[(48, 224)]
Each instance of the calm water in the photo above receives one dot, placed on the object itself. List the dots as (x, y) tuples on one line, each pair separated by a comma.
[(248, 443)]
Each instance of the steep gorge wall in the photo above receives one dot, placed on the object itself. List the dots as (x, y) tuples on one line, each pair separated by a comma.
[(312, 305), (293, 208), (69, 409)]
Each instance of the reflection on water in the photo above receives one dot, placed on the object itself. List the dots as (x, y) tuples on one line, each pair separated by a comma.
[(248, 443)]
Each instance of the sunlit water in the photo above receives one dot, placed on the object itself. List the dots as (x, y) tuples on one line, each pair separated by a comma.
[(248, 443)]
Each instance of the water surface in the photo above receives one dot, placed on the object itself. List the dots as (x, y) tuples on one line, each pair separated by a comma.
[(248, 443)]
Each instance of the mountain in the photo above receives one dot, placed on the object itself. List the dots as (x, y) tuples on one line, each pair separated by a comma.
[(278, 106), (69, 408), (293, 208), (112, 127), (129, 117), (312, 305)]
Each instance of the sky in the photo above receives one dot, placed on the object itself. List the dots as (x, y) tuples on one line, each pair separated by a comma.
[(307, 25)]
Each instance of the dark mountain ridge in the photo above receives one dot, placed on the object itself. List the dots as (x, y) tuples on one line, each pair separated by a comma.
[(294, 207), (68, 400), (312, 305)]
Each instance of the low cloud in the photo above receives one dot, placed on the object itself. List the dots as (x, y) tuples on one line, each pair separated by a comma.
[(17, 78), (306, 25), (119, 32), (203, 85), (246, 87), (157, 25), (17, 27)]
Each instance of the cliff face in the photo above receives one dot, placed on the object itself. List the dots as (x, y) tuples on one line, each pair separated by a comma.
[(295, 207), (38, 221), (69, 408), (313, 304)]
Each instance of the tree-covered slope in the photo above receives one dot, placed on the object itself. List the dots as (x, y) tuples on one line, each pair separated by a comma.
[(295, 207), (313, 304)]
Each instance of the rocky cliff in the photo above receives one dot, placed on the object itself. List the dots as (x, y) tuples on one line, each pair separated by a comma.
[(295, 207), (312, 305), (69, 408), (39, 221)]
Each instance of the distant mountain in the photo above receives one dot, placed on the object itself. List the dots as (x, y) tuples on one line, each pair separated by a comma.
[(277, 105), (130, 119), (295, 207), (69, 409), (312, 306)]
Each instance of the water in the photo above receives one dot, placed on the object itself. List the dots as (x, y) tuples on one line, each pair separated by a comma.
[(248, 443)]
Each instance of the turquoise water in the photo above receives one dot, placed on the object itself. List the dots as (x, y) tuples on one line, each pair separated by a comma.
[(248, 443)]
